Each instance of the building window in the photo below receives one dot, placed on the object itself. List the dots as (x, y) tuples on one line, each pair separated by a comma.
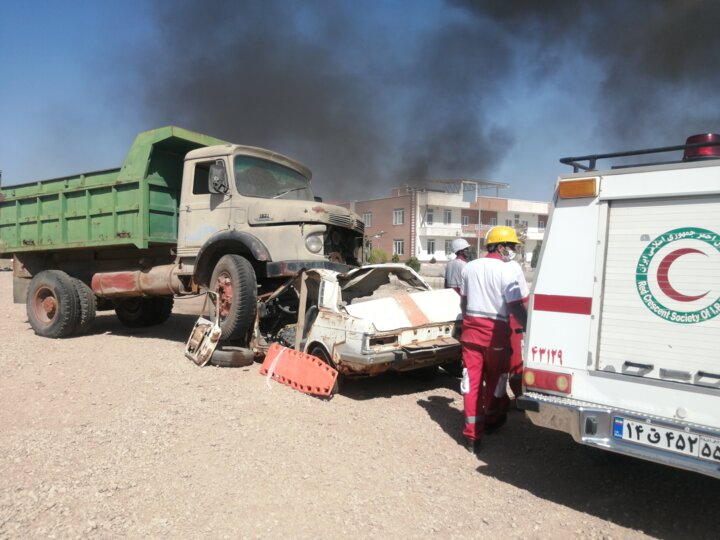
[(429, 216), (367, 219), (398, 216), (508, 223), (493, 221), (448, 247), (541, 224), (398, 247), (517, 219), (431, 247), (524, 223), (447, 217), (466, 220)]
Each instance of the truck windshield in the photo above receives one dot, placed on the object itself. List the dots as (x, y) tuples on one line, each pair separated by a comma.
[(255, 177)]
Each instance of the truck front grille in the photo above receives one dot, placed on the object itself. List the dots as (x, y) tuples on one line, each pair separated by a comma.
[(347, 222)]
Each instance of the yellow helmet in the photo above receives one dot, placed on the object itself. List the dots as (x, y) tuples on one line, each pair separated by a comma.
[(501, 235)]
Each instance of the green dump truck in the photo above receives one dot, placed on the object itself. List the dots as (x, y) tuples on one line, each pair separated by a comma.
[(185, 213)]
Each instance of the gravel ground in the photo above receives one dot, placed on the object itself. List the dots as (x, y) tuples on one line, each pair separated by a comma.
[(116, 434)]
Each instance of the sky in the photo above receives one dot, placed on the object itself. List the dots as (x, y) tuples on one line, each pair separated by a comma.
[(368, 94)]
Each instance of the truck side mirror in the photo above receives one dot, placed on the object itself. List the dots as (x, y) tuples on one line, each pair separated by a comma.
[(217, 180)]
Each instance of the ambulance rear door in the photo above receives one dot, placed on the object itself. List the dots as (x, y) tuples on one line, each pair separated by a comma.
[(660, 307)]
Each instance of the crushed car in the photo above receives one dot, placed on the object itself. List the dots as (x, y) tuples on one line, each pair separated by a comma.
[(363, 322)]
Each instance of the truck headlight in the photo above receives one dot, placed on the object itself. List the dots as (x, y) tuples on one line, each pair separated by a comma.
[(314, 243)]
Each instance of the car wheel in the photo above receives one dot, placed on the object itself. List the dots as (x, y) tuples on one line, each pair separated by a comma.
[(320, 352)]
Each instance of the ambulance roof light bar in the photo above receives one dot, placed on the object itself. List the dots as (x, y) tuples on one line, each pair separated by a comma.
[(703, 146)]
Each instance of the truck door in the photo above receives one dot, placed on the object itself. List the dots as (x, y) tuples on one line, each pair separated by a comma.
[(202, 213), (661, 303)]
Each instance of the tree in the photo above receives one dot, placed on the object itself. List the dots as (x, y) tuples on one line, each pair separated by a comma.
[(521, 230), (413, 263), (377, 256), (536, 254)]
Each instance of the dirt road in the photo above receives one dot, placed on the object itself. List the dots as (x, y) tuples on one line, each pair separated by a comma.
[(116, 434)]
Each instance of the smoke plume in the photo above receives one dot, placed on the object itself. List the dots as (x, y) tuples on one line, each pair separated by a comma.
[(372, 95)]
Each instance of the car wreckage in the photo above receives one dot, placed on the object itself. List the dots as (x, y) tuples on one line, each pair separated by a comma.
[(363, 322)]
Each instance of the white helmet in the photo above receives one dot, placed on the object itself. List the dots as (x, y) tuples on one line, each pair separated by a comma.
[(459, 244)]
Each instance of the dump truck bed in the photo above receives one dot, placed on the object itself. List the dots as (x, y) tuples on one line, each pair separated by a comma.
[(135, 205)]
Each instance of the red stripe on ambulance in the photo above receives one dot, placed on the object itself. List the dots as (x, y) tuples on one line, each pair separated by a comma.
[(579, 305)]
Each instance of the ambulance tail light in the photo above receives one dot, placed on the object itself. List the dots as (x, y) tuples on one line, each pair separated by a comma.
[(702, 152), (547, 380), (576, 189)]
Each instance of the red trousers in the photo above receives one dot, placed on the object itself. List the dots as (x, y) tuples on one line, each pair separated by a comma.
[(485, 366), (516, 361)]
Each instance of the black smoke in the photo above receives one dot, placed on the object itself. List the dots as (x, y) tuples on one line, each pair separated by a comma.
[(653, 59), (369, 101)]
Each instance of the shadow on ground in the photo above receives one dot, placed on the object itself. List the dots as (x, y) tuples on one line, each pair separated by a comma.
[(660, 501), (177, 328), (396, 384)]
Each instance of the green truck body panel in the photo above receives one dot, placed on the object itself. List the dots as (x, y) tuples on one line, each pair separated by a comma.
[(135, 205)]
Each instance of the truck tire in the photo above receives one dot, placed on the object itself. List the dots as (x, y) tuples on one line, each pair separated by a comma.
[(52, 304), (232, 357), (234, 281), (132, 312), (160, 309), (140, 312), (87, 303)]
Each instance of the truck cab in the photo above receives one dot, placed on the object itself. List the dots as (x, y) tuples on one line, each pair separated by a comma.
[(260, 204)]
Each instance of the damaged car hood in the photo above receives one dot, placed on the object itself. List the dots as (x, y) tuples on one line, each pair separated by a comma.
[(407, 310)]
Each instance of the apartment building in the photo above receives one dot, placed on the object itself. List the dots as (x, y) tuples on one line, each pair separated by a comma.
[(422, 222)]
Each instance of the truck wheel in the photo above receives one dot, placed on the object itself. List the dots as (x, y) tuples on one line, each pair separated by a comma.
[(52, 304), (139, 312), (232, 357), (133, 312), (321, 353), (234, 281), (87, 303), (160, 309)]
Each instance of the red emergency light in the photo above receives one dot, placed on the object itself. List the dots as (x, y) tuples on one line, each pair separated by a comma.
[(702, 152)]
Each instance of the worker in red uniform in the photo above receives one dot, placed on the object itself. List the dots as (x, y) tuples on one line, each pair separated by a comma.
[(516, 361), (493, 287), (454, 268)]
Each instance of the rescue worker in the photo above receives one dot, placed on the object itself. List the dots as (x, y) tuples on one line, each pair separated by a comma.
[(492, 288), (516, 361), (454, 268)]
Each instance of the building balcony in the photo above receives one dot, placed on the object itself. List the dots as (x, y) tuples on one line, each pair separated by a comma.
[(481, 229), (440, 231)]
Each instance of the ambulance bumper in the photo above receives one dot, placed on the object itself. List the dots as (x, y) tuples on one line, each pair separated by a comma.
[(593, 425)]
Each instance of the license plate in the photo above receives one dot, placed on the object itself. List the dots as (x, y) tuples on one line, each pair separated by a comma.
[(672, 440)]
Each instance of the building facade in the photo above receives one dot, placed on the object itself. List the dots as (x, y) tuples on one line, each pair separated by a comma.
[(423, 222)]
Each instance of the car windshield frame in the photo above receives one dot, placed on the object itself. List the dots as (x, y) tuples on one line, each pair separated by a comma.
[(264, 179)]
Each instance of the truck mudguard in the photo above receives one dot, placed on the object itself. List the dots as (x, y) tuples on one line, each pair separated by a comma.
[(227, 242)]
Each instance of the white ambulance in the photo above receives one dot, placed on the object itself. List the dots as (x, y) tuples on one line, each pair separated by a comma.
[(623, 343)]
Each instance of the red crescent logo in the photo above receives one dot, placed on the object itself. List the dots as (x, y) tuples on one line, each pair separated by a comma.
[(664, 270)]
